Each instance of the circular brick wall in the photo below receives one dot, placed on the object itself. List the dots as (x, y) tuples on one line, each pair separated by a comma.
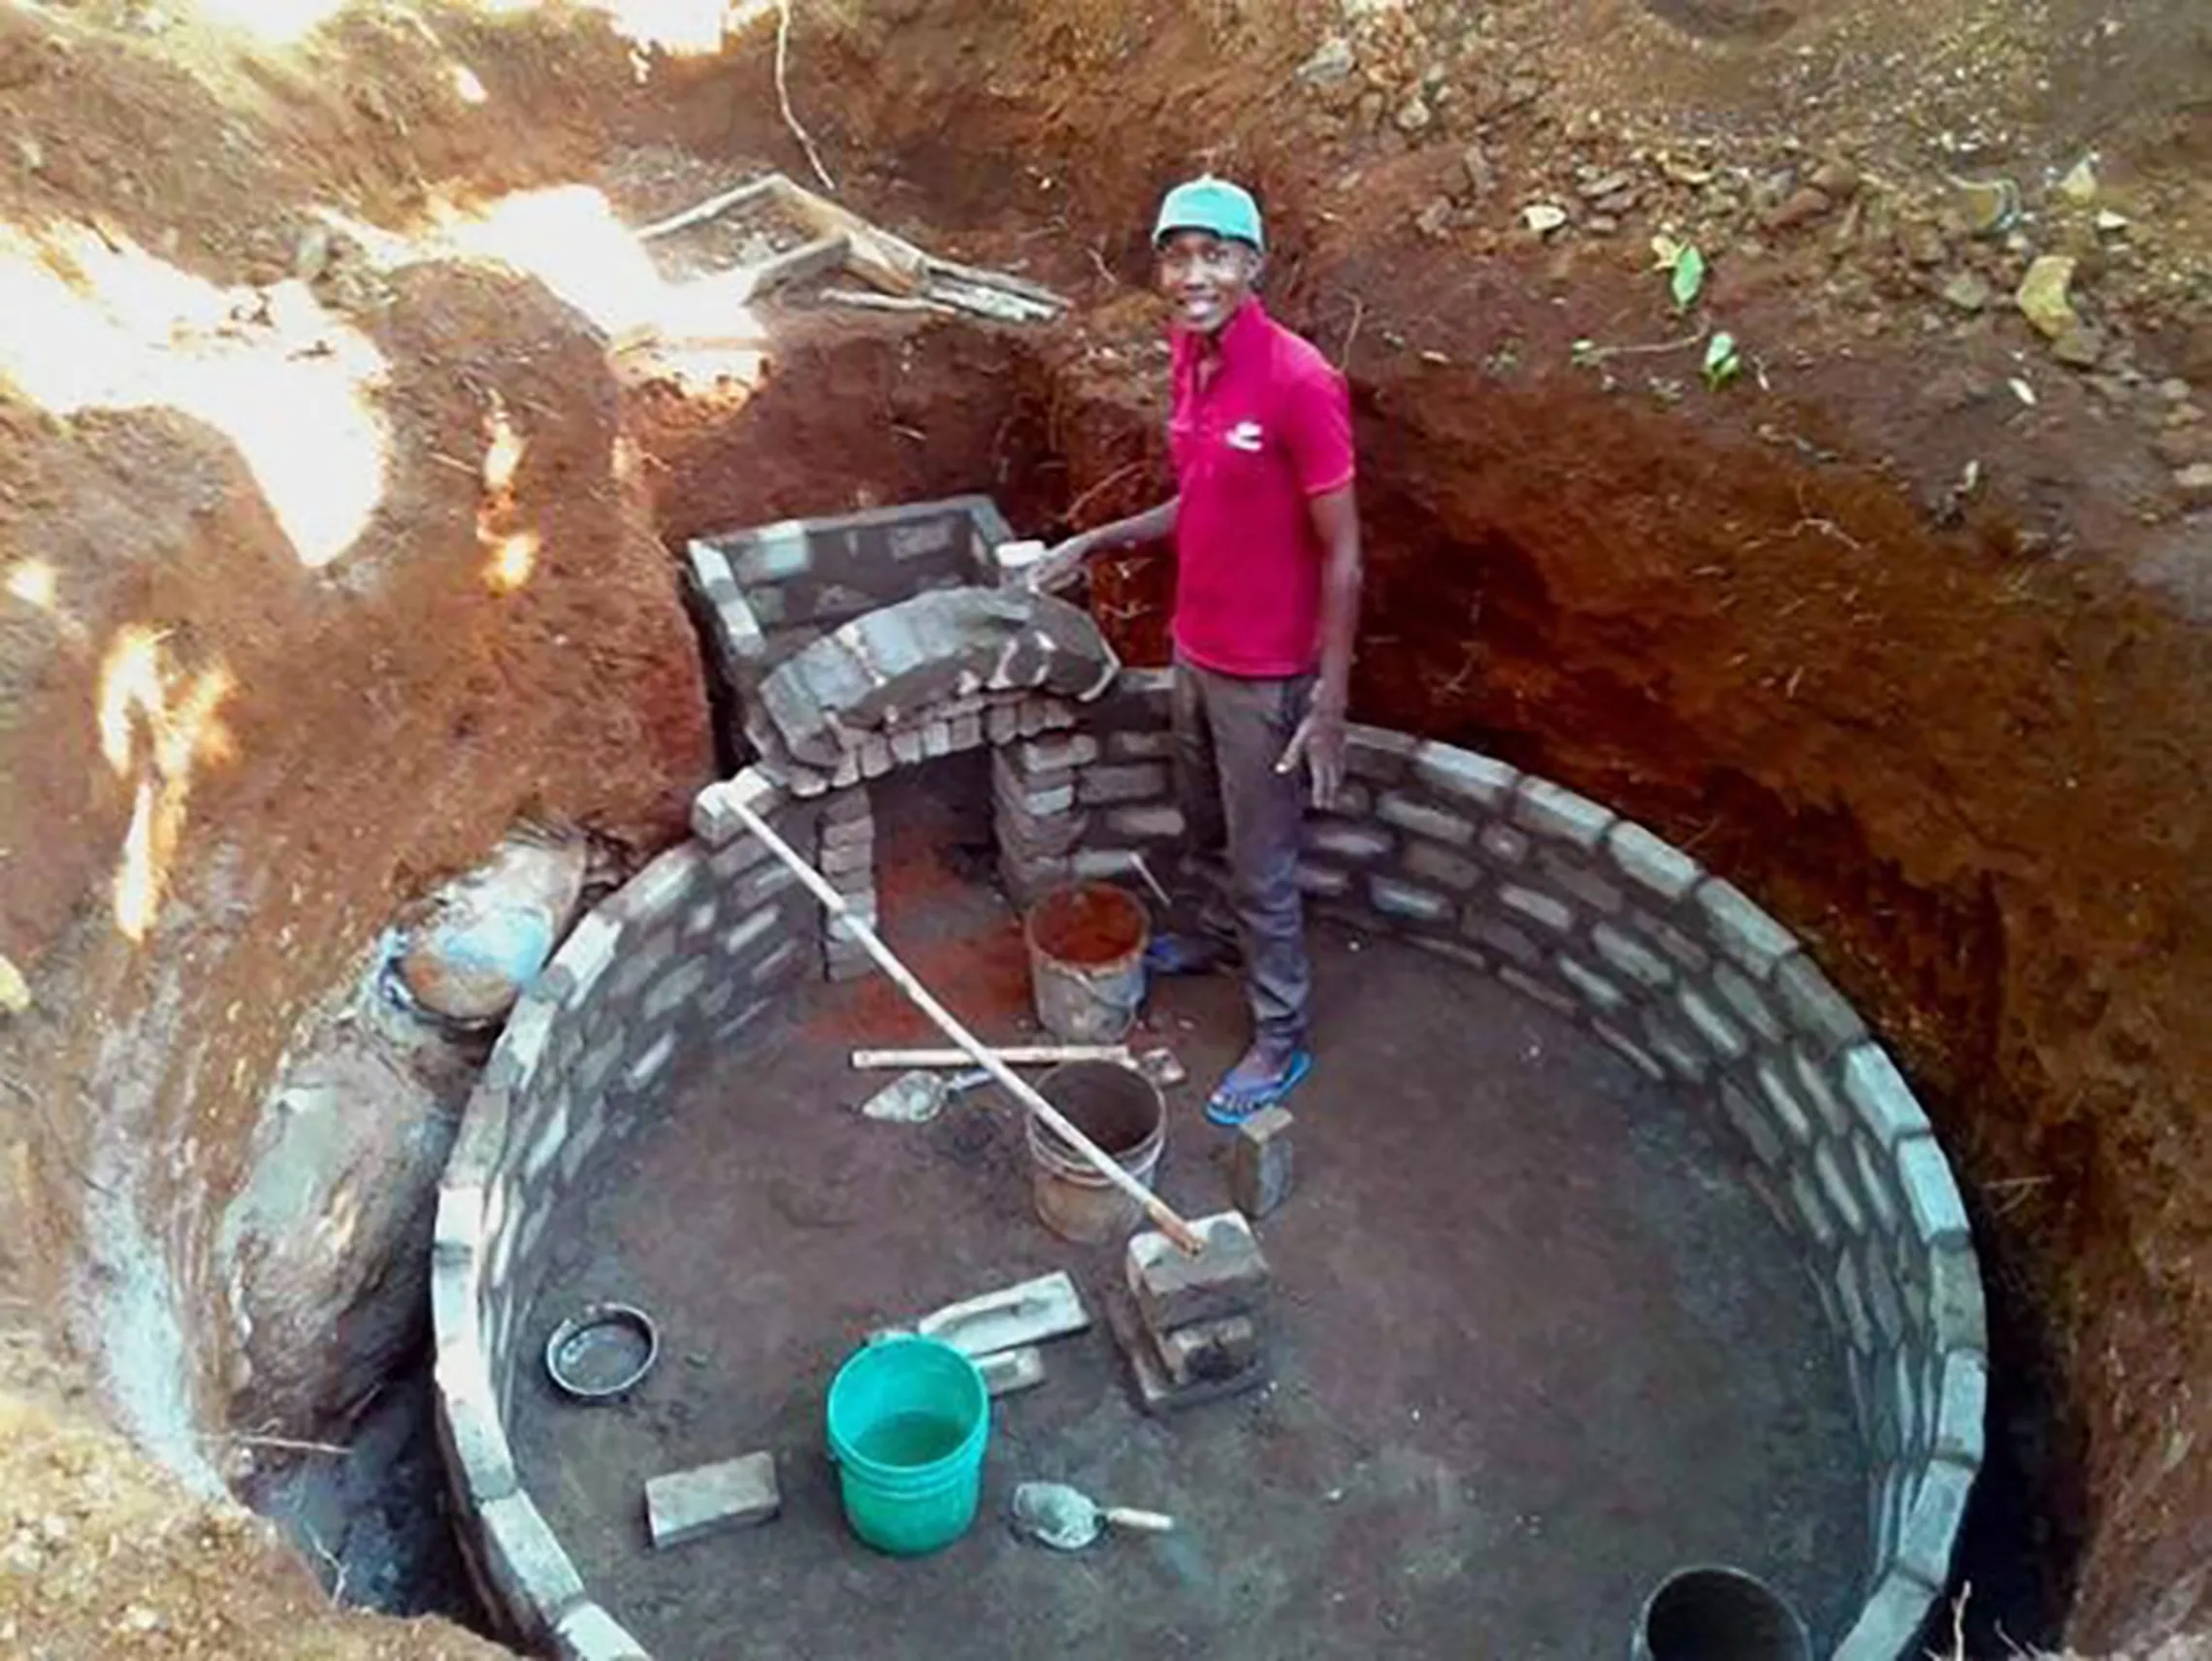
[(1457, 854)]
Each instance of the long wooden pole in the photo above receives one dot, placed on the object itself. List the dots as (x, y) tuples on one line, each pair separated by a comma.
[(1013, 1055), (1158, 1210)]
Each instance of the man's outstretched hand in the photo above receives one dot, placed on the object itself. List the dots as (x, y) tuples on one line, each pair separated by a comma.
[(1319, 742), (1059, 566)]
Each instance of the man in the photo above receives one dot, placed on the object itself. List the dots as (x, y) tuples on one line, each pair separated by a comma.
[(1267, 601)]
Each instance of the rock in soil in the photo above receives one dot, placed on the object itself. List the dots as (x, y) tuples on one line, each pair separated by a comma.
[(2042, 297)]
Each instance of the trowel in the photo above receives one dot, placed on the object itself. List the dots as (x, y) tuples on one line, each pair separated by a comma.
[(1068, 1519), (918, 1096)]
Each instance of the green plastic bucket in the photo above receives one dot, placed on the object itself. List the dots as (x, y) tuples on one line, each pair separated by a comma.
[(908, 1418)]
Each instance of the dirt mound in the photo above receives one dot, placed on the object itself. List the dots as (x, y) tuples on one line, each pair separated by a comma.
[(102, 1555)]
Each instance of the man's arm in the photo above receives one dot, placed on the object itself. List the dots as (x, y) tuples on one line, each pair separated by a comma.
[(1061, 562), (1320, 735)]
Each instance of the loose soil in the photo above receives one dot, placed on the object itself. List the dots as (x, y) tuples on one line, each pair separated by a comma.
[(1534, 1345), (1904, 630), (1089, 924)]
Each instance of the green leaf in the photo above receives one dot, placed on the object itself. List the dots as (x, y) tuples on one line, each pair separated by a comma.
[(1722, 364), (1689, 276)]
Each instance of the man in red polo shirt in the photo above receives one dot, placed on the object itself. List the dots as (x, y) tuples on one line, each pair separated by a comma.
[(1267, 601)]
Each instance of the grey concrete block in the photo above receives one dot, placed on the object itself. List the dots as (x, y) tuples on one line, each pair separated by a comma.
[(639, 1076), (1724, 1036), (525, 1563), (771, 554), (1229, 1277), (1139, 745), (1890, 1622), (1566, 874), (583, 1140), (1884, 1100), (732, 860), (1676, 1050), (663, 887), (1454, 952), (1621, 952), (1541, 992), (834, 861), (522, 1042), (1051, 755), (1882, 1299), (1955, 1311), (1592, 987), (714, 817), (1877, 1182), (458, 1228), (1789, 1111), (1538, 907), (1261, 1165), (1657, 866), (1820, 1013), (1932, 1527), (778, 967), (1552, 810), (1835, 1187), (677, 987), (709, 566), (1911, 1411), (588, 1633), (708, 1499), (1812, 1212), (1463, 774), (1402, 900), (1329, 882), (1131, 781), (475, 1442), (1858, 1326), (1431, 861), (1377, 754), (1348, 839), (1504, 846), (1635, 1053), (1751, 1124), (1023, 836), (1962, 1407), (1817, 1089), (1679, 947), (591, 946), (1747, 1002), (544, 1144), (1740, 929), (1145, 823), (1930, 1195), (1411, 813), (750, 929), (1502, 937)]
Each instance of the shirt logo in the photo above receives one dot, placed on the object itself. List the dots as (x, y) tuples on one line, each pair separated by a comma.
[(1245, 435)]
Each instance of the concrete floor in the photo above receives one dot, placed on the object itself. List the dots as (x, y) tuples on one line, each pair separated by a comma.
[(1534, 1346)]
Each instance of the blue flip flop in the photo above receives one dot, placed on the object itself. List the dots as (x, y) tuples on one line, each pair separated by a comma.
[(1231, 1111)]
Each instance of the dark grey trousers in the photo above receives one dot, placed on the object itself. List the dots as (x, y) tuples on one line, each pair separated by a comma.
[(1243, 823)]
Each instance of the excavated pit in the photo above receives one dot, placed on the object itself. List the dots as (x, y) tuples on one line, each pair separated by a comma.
[(1788, 1257), (1958, 767)]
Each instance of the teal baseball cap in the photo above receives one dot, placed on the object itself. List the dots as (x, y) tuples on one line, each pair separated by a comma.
[(1211, 204)]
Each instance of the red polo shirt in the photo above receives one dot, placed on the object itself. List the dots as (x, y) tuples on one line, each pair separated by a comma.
[(1269, 430)]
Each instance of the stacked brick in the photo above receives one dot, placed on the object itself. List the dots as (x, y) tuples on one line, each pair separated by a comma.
[(685, 962), (1080, 803), (763, 594), (1464, 857)]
